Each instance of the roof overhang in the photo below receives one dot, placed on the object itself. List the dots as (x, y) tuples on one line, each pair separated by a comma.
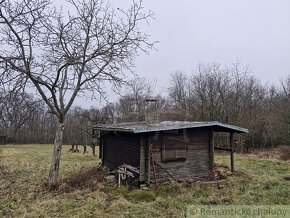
[(142, 127)]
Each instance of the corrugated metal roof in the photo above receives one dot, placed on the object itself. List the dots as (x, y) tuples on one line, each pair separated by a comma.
[(139, 127)]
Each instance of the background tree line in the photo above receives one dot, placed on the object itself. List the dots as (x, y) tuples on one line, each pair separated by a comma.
[(211, 93)]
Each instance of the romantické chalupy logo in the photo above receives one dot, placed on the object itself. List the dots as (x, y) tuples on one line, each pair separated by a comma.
[(238, 211)]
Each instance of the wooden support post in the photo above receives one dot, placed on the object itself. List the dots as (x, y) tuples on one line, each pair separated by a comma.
[(210, 150), (232, 152), (142, 174), (94, 150), (153, 165), (147, 161)]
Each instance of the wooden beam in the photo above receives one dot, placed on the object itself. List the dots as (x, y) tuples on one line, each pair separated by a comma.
[(222, 149), (232, 152)]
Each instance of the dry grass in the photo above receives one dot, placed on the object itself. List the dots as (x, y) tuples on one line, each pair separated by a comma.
[(84, 193), (279, 153), (85, 178)]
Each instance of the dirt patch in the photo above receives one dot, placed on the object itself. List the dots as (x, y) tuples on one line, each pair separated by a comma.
[(280, 153)]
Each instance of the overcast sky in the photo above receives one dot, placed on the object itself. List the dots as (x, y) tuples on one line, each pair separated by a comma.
[(256, 32)]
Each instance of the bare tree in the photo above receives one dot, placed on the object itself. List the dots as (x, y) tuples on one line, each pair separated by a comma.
[(282, 109), (131, 106), (63, 55), (15, 110), (231, 95), (179, 89)]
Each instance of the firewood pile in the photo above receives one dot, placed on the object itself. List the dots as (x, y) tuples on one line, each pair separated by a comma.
[(128, 174)]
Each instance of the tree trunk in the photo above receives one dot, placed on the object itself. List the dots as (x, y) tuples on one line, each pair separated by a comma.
[(53, 173)]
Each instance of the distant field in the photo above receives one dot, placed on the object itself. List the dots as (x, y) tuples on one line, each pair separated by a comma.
[(24, 170)]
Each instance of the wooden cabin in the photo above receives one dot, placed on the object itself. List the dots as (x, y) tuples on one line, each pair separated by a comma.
[(179, 148)]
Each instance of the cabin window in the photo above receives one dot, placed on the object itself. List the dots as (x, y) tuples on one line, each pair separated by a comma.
[(173, 148)]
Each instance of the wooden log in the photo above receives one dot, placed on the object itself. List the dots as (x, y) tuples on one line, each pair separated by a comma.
[(134, 169)]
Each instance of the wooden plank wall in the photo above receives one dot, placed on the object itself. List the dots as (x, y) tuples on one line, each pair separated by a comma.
[(121, 148), (197, 157)]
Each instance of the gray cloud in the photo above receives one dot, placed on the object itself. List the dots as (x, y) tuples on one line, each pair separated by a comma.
[(256, 32)]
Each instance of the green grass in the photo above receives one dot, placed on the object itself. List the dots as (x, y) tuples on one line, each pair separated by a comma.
[(24, 170)]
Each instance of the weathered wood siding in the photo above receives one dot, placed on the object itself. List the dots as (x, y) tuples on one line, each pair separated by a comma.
[(196, 163), (133, 149), (121, 148)]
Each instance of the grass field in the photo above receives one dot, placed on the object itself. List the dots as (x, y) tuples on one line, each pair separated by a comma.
[(24, 170)]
